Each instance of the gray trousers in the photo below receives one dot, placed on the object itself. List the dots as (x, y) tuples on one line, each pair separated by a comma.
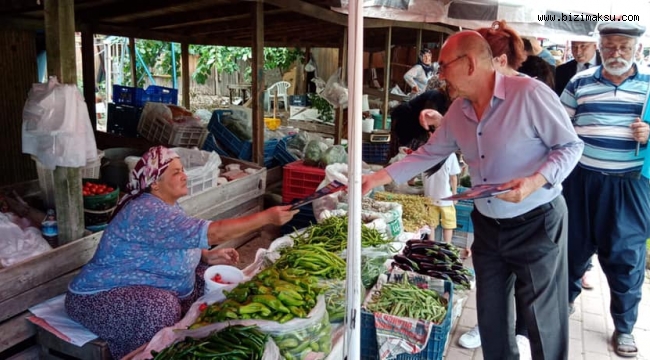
[(531, 249)]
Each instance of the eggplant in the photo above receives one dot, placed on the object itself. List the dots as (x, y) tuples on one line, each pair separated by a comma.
[(401, 266), (401, 259)]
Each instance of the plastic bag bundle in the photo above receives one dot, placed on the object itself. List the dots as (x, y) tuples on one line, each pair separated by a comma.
[(18, 244), (56, 127)]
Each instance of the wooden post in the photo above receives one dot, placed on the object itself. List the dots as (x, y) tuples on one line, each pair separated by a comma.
[(257, 89), (185, 73), (343, 58), (134, 62), (60, 44), (418, 42), (88, 72), (387, 69)]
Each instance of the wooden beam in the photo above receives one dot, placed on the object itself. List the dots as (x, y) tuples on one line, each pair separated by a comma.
[(343, 61), (60, 42), (185, 74), (258, 86), (138, 33), (387, 71), (311, 10), (88, 73), (133, 62), (418, 42)]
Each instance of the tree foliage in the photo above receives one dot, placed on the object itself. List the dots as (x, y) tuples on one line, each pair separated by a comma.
[(157, 55)]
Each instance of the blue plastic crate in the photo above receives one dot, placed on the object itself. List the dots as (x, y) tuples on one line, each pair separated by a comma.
[(162, 94), (127, 95), (243, 149), (282, 155), (434, 350), (304, 218), (375, 153), (210, 144), (463, 217)]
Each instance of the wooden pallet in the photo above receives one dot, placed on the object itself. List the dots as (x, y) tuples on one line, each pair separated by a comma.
[(54, 348)]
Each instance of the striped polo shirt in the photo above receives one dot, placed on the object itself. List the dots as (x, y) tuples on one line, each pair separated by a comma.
[(601, 113)]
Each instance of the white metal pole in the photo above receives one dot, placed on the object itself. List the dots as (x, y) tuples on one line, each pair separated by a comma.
[(355, 86)]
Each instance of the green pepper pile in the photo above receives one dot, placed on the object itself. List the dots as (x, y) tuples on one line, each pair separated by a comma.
[(297, 344), (278, 295), (332, 234), (232, 343), (314, 260)]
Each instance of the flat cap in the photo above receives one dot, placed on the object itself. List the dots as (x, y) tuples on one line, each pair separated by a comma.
[(622, 28)]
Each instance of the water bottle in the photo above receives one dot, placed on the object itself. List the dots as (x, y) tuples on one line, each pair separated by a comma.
[(50, 229)]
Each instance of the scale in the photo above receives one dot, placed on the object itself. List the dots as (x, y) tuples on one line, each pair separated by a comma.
[(380, 136)]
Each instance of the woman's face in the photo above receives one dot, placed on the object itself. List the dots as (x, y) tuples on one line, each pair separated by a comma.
[(426, 58), (172, 185)]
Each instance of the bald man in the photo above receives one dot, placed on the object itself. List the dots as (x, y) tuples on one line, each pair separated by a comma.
[(512, 131)]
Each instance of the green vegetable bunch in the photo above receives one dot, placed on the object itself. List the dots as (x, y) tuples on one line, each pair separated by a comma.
[(232, 343)]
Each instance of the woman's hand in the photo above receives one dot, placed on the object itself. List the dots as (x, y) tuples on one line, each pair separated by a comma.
[(415, 89), (280, 215), (223, 256)]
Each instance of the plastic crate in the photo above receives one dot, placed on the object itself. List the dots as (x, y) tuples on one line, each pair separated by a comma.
[(304, 218), (199, 176), (127, 95), (46, 177), (460, 190), (282, 155), (463, 218), (300, 180), (375, 153), (210, 144), (242, 149), (123, 120), (162, 94), (161, 131), (298, 100), (435, 348)]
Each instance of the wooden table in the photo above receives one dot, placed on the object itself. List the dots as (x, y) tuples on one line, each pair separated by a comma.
[(241, 90)]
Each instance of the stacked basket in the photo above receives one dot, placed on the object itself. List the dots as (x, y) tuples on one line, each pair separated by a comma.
[(99, 208)]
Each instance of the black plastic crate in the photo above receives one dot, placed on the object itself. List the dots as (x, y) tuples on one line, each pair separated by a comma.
[(299, 100), (375, 153), (123, 120)]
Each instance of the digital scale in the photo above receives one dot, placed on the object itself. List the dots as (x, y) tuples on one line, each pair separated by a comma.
[(380, 136)]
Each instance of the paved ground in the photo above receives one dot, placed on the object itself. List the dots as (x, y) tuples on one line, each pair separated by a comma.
[(590, 328)]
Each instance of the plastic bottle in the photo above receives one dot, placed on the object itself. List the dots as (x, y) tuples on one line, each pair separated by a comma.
[(50, 229)]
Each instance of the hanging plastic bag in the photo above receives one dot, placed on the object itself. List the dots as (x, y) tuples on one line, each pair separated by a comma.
[(56, 127), (335, 91)]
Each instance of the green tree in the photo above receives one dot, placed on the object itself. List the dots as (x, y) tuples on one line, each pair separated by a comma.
[(157, 57)]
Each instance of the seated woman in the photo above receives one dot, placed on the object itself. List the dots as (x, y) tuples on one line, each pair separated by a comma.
[(146, 271), (418, 76)]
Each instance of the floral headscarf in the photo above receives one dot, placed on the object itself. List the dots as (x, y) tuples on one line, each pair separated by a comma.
[(147, 170)]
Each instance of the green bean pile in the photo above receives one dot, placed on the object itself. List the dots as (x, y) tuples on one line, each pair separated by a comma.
[(407, 300), (416, 209), (333, 235), (232, 343)]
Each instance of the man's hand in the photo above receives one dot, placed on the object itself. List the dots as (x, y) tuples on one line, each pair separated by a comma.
[(430, 117), (371, 181), (224, 256), (521, 188), (640, 130)]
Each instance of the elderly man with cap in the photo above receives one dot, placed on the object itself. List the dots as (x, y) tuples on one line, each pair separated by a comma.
[(585, 55), (609, 212)]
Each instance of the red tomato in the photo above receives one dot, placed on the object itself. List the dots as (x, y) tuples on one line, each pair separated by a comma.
[(202, 307)]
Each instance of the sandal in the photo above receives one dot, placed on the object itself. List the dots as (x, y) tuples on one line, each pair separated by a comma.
[(624, 345)]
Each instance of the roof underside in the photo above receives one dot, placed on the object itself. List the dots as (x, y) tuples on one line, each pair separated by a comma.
[(222, 22)]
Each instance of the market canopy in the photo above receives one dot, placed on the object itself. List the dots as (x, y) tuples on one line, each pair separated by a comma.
[(543, 19)]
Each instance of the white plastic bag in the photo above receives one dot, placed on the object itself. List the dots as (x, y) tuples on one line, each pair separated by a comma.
[(17, 244), (335, 91), (56, 127)]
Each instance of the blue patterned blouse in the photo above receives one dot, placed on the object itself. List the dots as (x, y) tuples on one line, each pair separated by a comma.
[(147, 243)]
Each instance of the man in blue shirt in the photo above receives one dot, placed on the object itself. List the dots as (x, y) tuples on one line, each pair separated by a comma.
[(512, 131), (606, 195)]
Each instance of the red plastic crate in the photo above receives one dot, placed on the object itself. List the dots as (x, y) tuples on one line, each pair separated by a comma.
[(300, 180)]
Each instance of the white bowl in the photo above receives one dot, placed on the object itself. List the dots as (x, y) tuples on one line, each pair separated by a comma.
[(228, 274)]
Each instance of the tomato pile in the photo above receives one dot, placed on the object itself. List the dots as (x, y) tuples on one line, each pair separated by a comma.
[(217, 278), (90, 189)]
